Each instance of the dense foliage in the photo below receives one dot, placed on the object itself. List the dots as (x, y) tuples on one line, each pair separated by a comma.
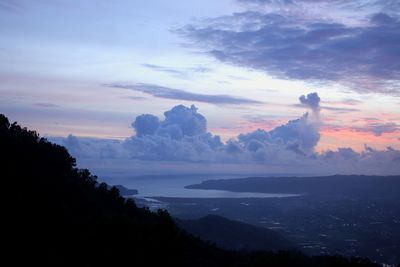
[(58, 215)]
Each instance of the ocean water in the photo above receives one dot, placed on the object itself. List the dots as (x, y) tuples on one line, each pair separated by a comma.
[(174, 186)]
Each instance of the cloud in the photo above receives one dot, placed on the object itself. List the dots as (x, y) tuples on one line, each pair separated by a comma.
[(178, 94), (182, 136), (370, 159), (183, 73), (335, 109), (379, 128), (392, 5), (299, 136), (376, 126), (10, 5), (346, 102), (45, 105), (291, 2), (146, 124), (134, 97), (87, 147), (188, 120), (372, 125), (363, 56), (311, 100), (339, 109), (263, 120), (164, 69)]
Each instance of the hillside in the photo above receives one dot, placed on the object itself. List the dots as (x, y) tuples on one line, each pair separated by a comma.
[(234, 235), (59, 215), (123, 191), (346, 185)]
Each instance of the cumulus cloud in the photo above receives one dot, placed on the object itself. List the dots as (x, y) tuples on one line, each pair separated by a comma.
[(87, 147), (363, 56), (369, 158), (299, 136), (188, 120), (146, 124), (178, 94), (311, 100), (182, 136)]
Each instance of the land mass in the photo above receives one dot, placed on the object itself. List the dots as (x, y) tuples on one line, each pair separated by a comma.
[(343, 185), (342, 214), (124, 191), (59, 215), (235, 235)]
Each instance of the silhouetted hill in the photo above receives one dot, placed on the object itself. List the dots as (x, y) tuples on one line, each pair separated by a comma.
[(346, 185), (58, 215), (123, 191), (234, 235)]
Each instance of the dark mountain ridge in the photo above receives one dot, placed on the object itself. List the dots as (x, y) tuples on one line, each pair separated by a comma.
[(349, 185), (124, 191)]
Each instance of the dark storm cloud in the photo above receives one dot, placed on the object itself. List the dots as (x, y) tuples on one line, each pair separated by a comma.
[(365, 58), (178, 94)]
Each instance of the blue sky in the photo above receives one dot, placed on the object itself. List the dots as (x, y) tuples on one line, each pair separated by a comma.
[(89, 68)]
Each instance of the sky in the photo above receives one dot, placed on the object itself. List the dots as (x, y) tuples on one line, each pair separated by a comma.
[(263, 83)]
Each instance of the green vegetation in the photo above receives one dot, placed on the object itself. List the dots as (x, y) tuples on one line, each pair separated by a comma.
[(58, 215)]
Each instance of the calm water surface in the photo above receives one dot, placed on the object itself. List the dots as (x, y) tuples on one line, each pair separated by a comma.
[(173, 186)]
